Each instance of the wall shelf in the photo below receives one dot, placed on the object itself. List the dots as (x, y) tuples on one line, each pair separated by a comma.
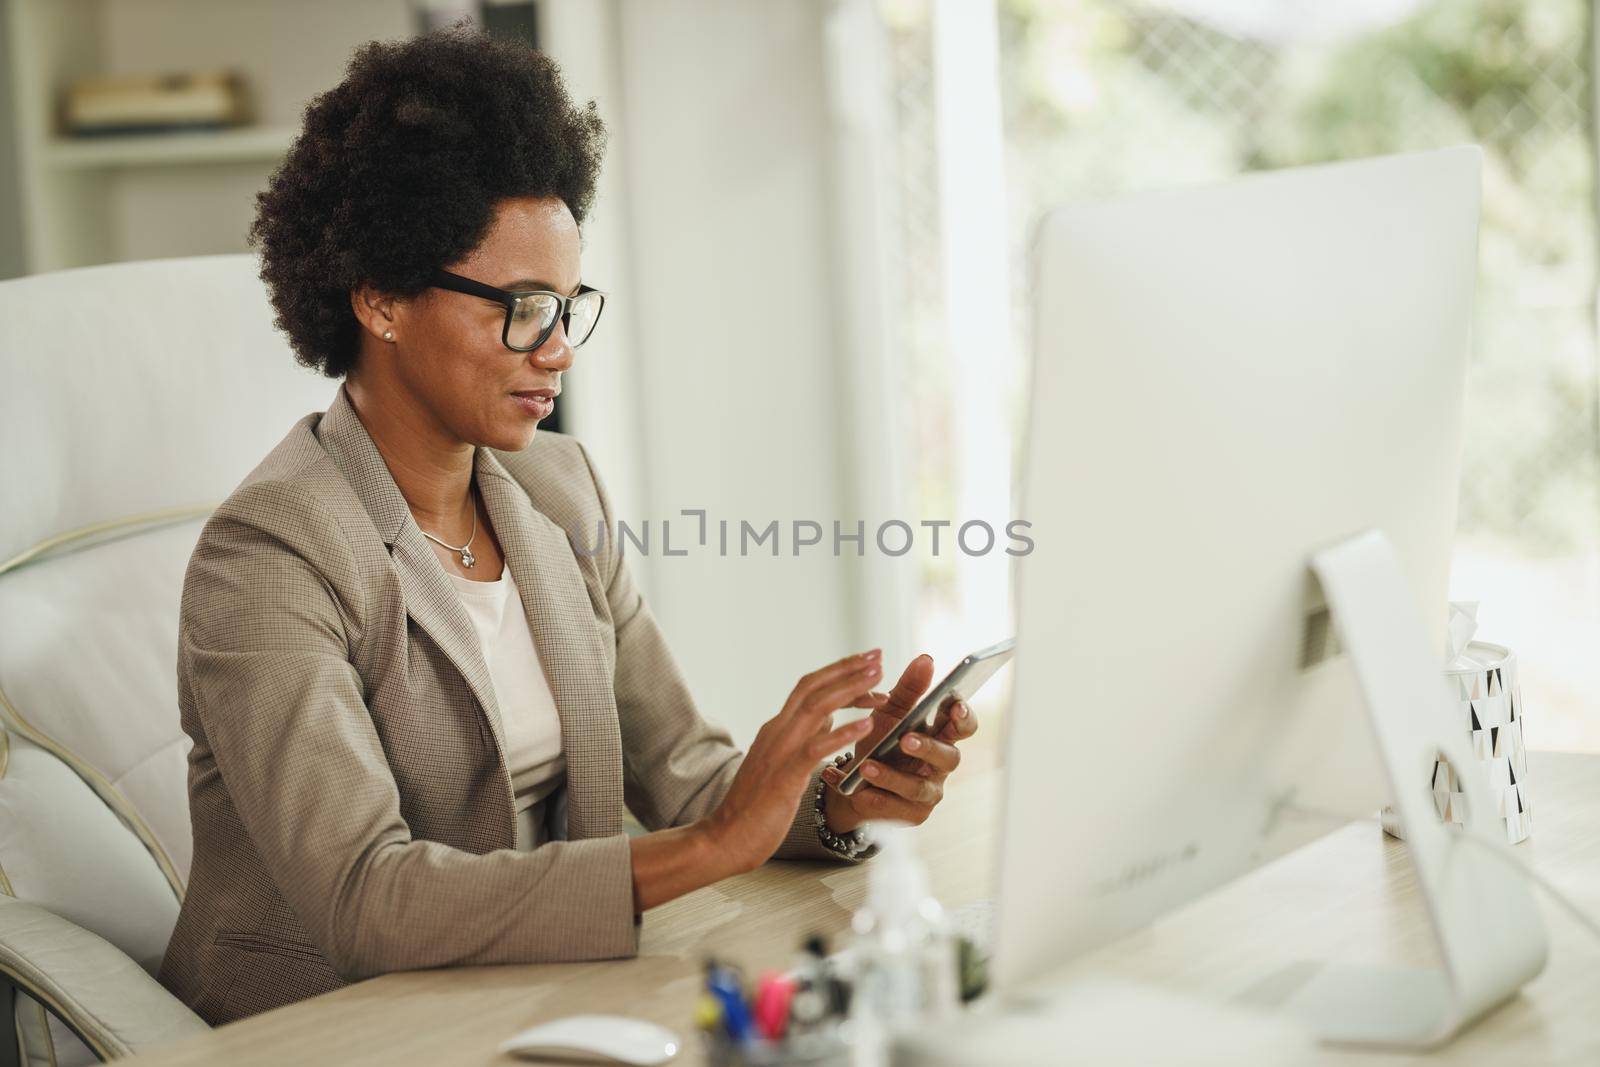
[(247, 143), (184, 193)]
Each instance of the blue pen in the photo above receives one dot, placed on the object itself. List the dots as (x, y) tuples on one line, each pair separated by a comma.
[(723, 983)]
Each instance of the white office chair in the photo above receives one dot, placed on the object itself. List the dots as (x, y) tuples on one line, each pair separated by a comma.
[(133, 398)]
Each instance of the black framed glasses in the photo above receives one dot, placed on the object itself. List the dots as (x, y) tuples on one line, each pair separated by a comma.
[(531, 314)]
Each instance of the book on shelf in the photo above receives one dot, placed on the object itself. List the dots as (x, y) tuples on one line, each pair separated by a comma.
[(198, 100)]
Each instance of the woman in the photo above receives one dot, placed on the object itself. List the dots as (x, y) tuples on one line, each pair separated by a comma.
[(393, 769)]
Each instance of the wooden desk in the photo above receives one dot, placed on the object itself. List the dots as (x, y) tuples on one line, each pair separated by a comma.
[(1347, 897)]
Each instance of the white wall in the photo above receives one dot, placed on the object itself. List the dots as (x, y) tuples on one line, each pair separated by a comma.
[(744, 390)]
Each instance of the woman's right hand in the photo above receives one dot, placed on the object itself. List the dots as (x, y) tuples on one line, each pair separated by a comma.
[(760, 805)]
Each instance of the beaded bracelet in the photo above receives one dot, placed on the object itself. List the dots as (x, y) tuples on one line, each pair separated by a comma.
[(852, 845)]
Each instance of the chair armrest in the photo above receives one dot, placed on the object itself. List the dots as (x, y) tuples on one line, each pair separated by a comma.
[(108, 1000)]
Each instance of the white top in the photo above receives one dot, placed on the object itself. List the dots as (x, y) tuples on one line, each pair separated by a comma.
[(527, 707)]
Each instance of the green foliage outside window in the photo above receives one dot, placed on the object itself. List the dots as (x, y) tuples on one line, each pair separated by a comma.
[(1103, 96)]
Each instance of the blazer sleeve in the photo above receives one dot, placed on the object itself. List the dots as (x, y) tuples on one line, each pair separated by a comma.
[(676, 765), (271, 612)]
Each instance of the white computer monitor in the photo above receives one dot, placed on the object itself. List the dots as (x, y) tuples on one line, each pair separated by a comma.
[(1227, 381)]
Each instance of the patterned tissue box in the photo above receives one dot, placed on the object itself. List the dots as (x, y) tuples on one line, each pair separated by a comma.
[(1484, 681)]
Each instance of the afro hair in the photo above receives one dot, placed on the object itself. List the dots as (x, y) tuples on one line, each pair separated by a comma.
[(399, 168)]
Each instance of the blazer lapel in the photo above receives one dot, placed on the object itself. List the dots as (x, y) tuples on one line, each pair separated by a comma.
[(433, 605), (570, 648), (430, 600)]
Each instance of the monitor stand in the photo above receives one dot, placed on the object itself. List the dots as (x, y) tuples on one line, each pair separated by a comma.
[(1490, 936)]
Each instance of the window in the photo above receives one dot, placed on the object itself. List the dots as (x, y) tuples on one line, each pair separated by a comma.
[(1101, 96)]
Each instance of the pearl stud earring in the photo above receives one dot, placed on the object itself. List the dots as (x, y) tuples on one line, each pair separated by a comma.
[(388, 335)]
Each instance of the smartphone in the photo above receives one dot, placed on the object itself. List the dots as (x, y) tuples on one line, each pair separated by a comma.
[(963, 682)]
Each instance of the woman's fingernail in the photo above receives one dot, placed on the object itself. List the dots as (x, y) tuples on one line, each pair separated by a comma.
[(961, 710), (869, 770), (913, 742)]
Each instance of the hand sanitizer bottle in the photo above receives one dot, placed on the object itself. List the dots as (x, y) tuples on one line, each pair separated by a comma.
[(905, 964)]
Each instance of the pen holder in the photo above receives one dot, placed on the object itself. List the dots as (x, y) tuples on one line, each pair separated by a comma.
[(1484, 682), (827, 1046)]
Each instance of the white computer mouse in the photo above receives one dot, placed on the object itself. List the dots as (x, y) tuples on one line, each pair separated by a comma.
[(597, 1039)]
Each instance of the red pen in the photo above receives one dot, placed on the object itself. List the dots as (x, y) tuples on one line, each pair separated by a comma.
[(773, 993)]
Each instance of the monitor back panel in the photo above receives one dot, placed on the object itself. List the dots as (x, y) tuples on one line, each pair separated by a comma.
[(1226, 379)]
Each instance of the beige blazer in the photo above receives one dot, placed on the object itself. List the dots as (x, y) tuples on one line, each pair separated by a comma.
[(351, 805)]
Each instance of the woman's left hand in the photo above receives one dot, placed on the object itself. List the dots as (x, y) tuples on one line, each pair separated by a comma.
[(909, 784)]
